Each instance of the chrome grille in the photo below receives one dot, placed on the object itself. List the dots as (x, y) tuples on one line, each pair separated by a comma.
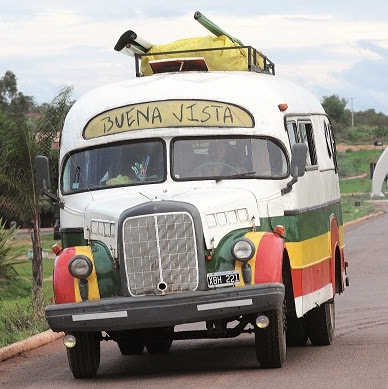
[(160, 248)]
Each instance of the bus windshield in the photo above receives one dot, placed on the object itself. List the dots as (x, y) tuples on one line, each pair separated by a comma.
[(226, 157), (120, 164)]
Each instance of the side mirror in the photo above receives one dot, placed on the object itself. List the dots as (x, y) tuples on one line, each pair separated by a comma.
[(42, 172), (298, 165), (43, 178), (298, 159)]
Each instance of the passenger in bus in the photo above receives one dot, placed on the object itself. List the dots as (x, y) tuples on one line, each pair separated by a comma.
[(135, 163)]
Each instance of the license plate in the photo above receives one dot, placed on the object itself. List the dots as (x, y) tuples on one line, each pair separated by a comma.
[(226, 278)]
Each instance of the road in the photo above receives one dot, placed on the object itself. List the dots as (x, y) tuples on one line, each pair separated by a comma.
[(358, 357)]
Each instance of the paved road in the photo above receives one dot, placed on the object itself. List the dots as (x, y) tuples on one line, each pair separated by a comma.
[(357, 359)]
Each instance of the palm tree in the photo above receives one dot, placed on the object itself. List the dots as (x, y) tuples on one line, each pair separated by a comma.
[(20, 142)]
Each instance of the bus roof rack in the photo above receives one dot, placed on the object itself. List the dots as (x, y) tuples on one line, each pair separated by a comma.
[(220, 52), (235, 58)]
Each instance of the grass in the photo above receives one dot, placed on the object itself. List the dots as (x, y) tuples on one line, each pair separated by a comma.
[(355, 163), (18, 322), (356, 206), (17, 318), (355, 192), (358, 185)]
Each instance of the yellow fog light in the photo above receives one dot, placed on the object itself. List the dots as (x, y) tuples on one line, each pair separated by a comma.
[(69, 341), (262, 321)]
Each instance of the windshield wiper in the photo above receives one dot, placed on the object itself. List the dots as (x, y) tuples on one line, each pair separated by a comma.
[(238, 175)]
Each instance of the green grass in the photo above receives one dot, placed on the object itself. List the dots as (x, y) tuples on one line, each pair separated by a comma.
[(358, 185), (355, 163), (17, 318), (356, 192), (356, 206)]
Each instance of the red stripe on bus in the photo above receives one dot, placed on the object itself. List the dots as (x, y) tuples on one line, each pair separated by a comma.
[(312, 278), (63, 281), (269, 259)]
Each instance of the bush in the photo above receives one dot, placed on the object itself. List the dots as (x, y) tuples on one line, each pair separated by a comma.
[(18, 322), (381, 133), (9, 251)]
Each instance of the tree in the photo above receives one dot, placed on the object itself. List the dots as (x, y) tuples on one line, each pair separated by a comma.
[(11, 100), (19, 197), (8, 88), (335, 107)]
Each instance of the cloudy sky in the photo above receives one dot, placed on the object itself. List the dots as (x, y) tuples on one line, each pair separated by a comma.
[(331, 46)]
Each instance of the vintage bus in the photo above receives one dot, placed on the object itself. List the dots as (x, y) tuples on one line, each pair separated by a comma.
[(196, 195)]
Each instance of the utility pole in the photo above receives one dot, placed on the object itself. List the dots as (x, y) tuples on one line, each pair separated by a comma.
[(351, 102)]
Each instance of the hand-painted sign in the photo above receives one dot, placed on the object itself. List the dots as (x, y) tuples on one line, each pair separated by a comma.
[(168, 113)]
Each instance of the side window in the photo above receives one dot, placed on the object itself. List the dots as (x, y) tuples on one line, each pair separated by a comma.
[(328, 140), (291, 130), (332, 143), (306, 135)]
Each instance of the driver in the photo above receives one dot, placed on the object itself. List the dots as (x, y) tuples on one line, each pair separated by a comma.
[(218, 160)]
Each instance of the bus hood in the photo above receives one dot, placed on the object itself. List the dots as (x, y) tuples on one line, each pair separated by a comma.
[(222, 210)]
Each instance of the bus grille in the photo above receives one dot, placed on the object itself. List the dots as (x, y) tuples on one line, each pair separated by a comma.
[(160, 253)]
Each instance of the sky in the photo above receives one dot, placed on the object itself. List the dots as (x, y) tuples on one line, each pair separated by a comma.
[(331, 47)]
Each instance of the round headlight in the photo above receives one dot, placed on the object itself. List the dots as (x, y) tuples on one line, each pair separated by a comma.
[(80, 266), (243, 249)]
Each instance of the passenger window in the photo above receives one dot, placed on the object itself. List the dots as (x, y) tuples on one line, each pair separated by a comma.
[(291, 130), (328, 140), (306, 136)]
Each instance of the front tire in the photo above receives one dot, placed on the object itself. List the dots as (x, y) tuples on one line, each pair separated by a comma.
[(321, 324), (270, 342), (159, 346), (160, 340), (296, 331), (131, 347), (84, 357)]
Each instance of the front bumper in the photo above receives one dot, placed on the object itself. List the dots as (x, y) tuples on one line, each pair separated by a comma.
[(124, 313)]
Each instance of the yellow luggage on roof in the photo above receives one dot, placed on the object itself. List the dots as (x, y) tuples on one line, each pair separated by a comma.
[(215, 59)]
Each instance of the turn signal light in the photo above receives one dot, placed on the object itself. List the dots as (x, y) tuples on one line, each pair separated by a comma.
[(283, 107), (56, 249), (279, 230)]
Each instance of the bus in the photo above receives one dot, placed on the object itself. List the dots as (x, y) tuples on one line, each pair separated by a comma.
[(196, 202)]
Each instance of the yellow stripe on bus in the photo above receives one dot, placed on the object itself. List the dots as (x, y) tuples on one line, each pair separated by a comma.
[(255, 237), (309, 252), (94, 293)]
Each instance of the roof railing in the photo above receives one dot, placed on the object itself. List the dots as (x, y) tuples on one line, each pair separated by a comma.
[(253, 56)]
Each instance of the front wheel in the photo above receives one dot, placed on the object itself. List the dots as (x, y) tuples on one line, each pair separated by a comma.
[(270, 342), (131, 347), (160, 340), (158, 346), (296, 331), (84, 357), (321, 324)]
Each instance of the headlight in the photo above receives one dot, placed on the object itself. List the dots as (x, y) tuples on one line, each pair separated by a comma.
[(243, 249), (80, 266)]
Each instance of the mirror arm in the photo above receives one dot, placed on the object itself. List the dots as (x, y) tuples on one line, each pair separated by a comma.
[(54, 198), (289, 185)]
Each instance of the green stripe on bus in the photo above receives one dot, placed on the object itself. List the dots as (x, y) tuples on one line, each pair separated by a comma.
[(108, 278), (305, 224)]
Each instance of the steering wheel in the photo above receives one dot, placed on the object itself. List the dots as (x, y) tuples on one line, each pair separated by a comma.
[(200, 168)]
